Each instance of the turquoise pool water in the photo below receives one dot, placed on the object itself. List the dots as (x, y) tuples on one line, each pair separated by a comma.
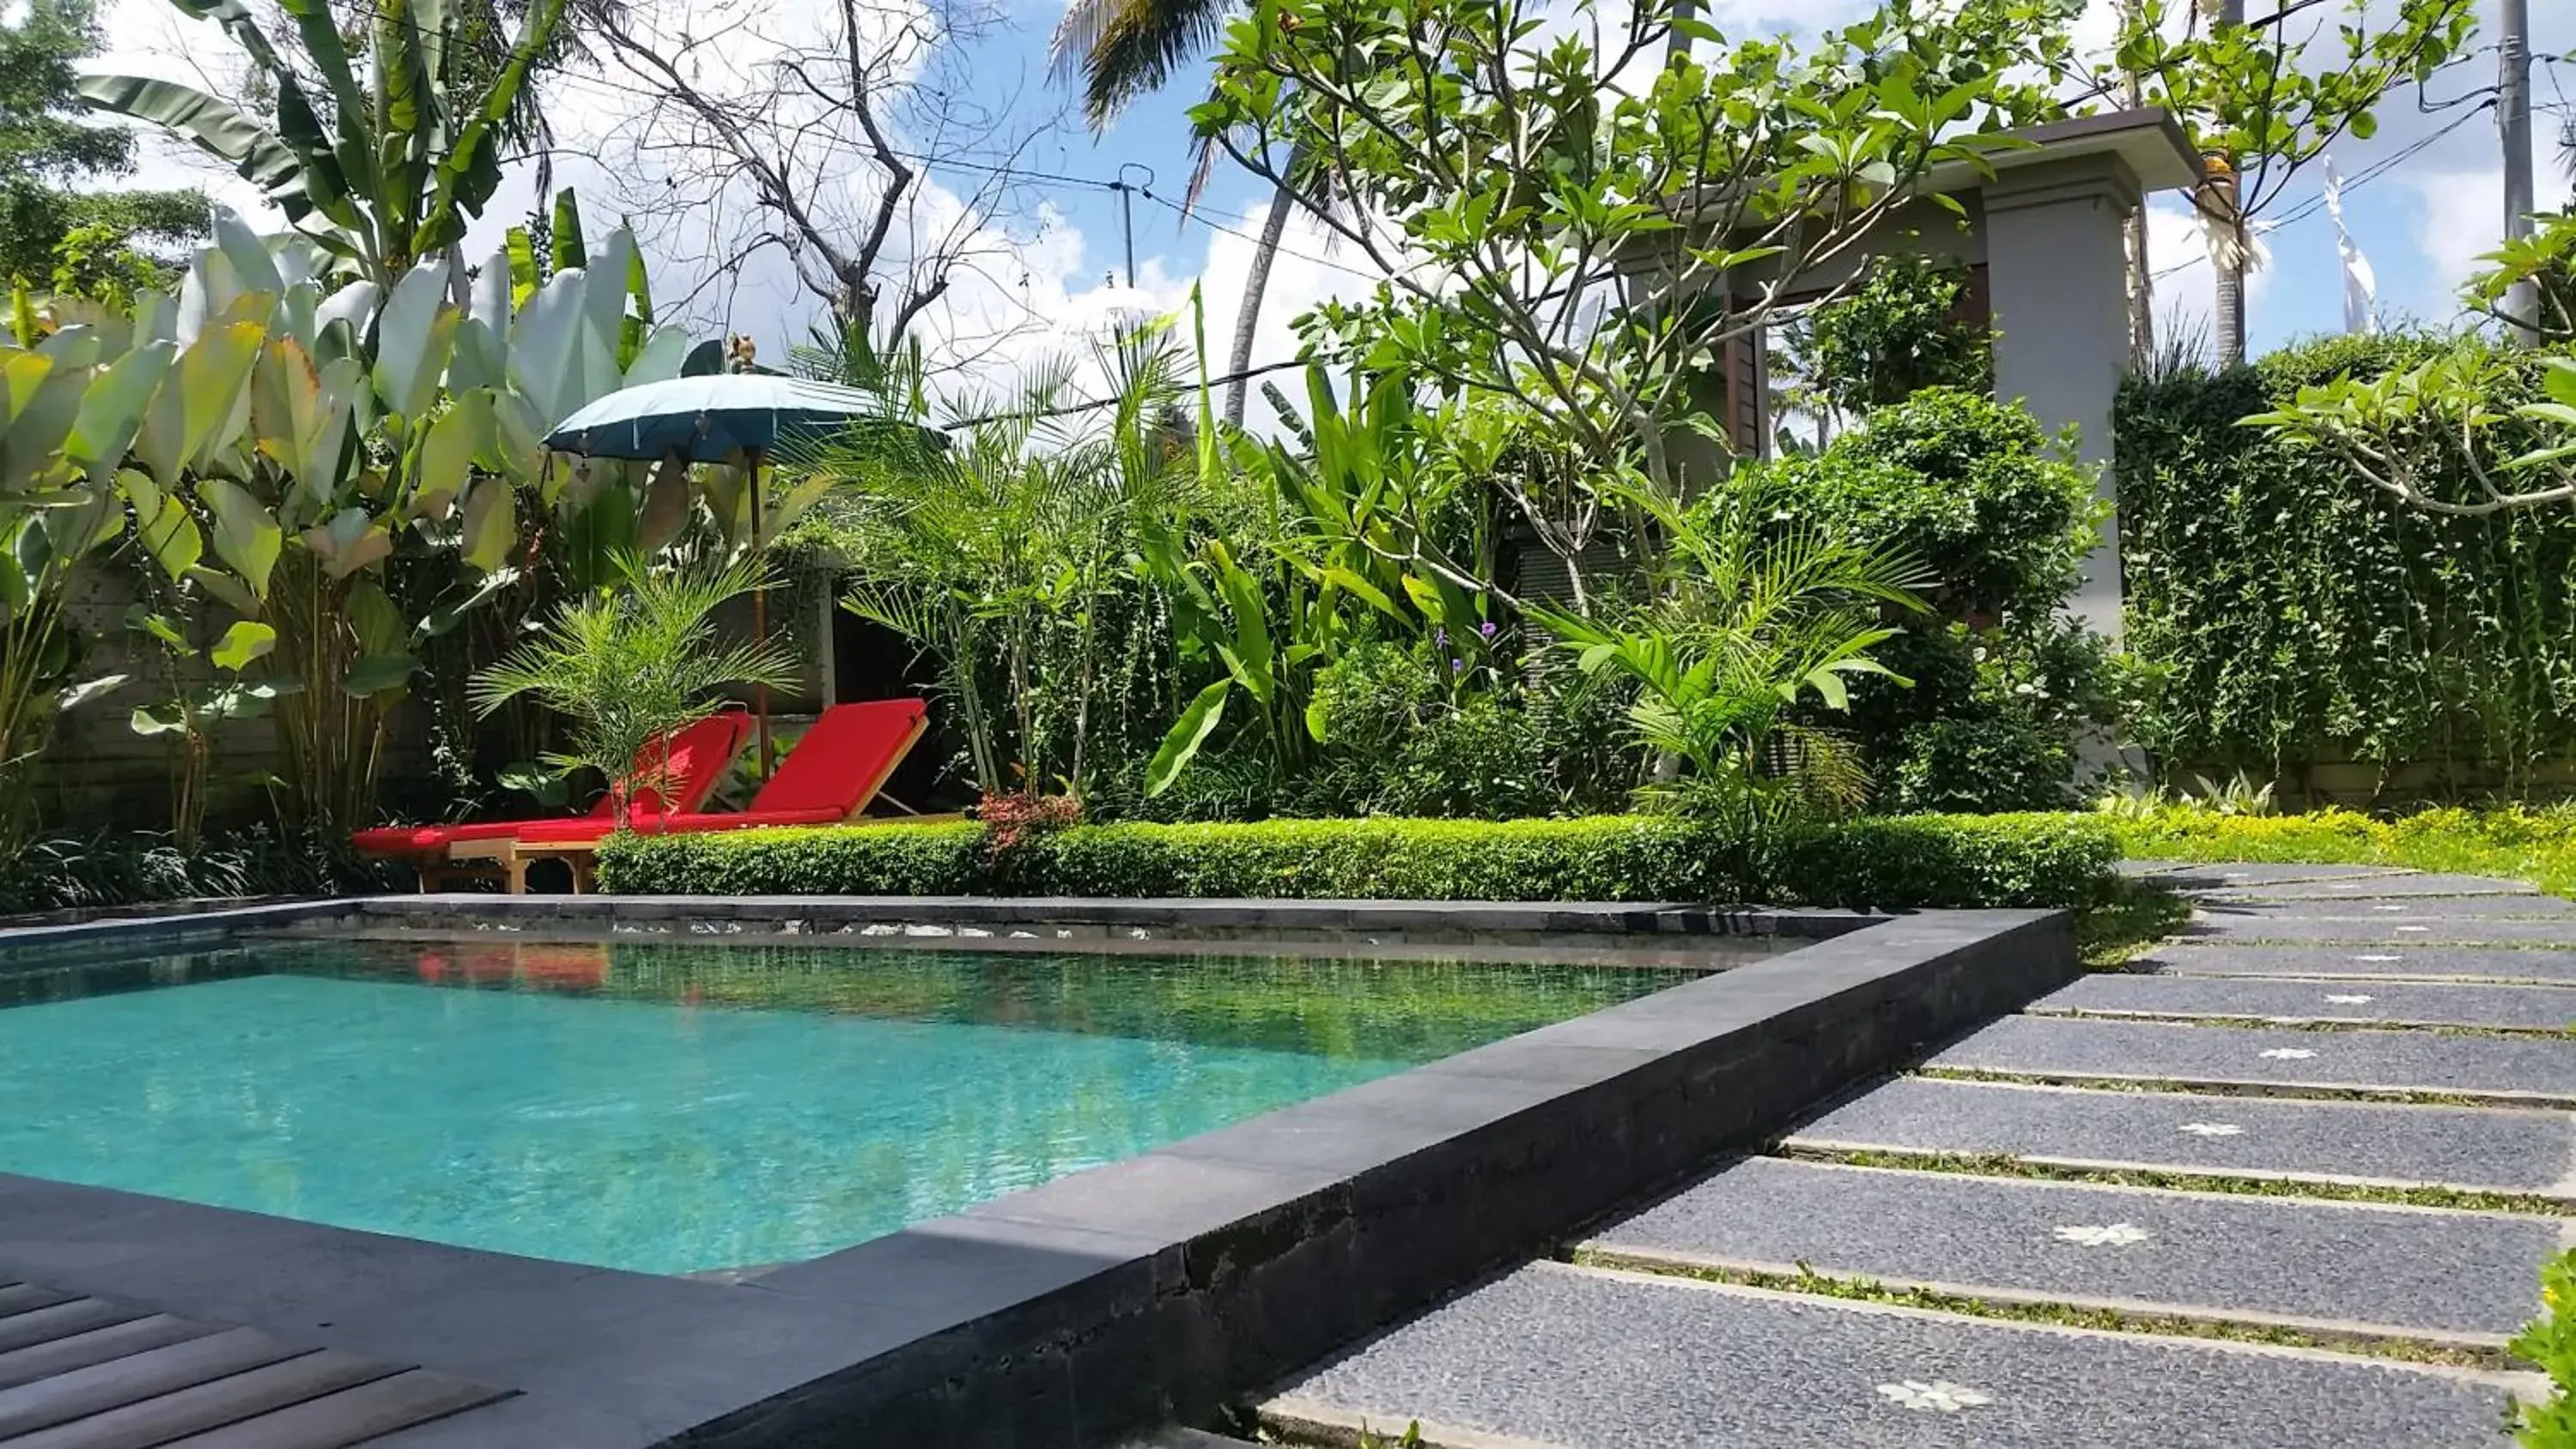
[(674, 1109)]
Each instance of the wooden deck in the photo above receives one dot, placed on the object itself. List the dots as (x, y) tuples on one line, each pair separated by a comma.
[(91, 1373)]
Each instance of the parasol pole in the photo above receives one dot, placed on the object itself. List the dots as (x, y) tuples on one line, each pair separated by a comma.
[(759, 613)]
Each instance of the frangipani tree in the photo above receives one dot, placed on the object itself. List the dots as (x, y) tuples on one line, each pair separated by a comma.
[(1577, 217), (2419, 433)]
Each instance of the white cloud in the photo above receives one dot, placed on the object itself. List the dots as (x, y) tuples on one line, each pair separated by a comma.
[(2459, 219)]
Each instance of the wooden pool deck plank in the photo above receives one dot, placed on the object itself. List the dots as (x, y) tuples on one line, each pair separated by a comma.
[(97, 1373), (64, 1355)]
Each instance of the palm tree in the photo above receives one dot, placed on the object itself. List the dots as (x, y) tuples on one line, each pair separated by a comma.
[(1125, 48), (636, 662)]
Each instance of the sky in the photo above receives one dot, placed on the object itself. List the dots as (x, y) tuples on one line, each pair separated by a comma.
[(2423, 198)]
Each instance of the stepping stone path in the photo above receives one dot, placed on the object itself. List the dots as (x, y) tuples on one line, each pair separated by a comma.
[(2287, 1180)]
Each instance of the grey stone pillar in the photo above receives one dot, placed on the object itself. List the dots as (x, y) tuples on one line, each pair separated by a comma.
[(2057, 273)]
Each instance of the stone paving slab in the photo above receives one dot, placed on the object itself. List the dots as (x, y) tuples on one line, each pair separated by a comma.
[(2387, 930), (2528, 1008), (2536, 1070), (2504, 963), (2481, 909), (2487, 1148), (2188, 875), (1588, 1359), (2408, 1272), (2378, 887)]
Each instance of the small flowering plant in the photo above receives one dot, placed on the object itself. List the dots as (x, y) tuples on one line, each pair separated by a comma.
[(1467, 658), (1012, 817), (2549, 1342)]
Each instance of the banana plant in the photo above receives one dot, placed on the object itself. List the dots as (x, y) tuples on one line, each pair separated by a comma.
[(383, 171), (71, 401), (352, 469)]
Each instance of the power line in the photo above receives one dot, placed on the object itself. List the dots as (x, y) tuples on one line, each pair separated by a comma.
[(1187, 214), (2364, 177)]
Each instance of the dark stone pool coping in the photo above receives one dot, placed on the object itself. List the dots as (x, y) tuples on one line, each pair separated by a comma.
[(1147, 1290)]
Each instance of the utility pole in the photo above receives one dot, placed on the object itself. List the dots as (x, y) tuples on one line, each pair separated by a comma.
[(1127, 226), (2513, 119), (2229, 262)]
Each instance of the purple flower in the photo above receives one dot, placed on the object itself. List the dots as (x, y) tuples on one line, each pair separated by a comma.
[(1486, 628), (1457, 666), (1440, 634)]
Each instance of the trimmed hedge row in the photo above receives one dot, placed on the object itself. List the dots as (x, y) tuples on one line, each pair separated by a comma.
[(1895, 862)]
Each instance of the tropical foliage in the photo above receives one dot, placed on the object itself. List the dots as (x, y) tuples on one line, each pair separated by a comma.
[(2296, 616), (379, 157), (636, 660), (317, 485)]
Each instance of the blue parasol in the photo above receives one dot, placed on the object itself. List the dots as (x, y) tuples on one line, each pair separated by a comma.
[(712, 418), (717, 417)]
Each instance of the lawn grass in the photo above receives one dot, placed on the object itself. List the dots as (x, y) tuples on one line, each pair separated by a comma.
[(2528, 843)]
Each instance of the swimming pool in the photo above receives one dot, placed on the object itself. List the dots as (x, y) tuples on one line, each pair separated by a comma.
[(672, 1108)]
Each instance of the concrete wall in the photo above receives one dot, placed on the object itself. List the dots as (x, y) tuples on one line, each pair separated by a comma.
[(2058, 282)]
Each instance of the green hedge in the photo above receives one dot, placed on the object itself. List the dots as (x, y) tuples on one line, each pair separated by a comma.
[(2299, 614), (1892, 862)]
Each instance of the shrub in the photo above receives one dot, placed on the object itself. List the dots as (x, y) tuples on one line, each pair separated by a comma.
[(1997, 684), (1916, 861), (1999, 763), (1904, 328), (1952, 862), (75, 873), (1969, 486), (2550, 1343), (2295, 614)]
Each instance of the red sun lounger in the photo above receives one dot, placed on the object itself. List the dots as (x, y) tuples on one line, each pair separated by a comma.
[(832, 775), (698, 758)]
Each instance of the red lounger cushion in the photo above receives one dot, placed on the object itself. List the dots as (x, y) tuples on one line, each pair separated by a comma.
[(831, 775), (699, 755)]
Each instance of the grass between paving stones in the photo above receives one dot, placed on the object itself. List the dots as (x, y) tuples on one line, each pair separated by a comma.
[(2299, 1023), (2131, 917), (1998, 1164), (2062, 1315), (2298, 1091)]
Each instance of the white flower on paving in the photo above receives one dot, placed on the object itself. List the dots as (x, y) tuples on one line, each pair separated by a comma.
[(2213, 1129), (1939, 1396), (2349, 1000), (2111, 1235), (2288, 1054)]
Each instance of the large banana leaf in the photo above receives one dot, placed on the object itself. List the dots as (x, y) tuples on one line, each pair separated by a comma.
[(247, 538), (258, 154), (470, 171), (412, 338), (197, 401), (112, 410)]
